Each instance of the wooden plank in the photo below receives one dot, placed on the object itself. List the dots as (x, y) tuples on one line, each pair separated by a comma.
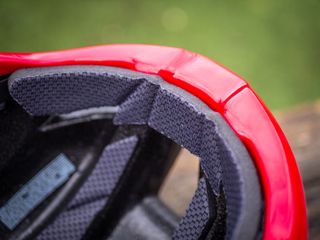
[(302, 127)]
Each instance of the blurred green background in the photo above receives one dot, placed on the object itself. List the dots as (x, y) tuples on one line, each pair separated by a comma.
[(273, 44)]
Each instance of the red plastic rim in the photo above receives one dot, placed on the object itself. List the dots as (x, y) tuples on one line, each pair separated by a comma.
[(222, 91)]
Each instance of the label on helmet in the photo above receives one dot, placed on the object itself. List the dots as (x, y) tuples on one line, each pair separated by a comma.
[(36, 190)]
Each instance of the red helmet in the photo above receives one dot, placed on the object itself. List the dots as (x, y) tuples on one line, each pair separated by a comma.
[(126, 108)]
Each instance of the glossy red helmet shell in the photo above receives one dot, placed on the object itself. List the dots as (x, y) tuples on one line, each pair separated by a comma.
[(223, 91)]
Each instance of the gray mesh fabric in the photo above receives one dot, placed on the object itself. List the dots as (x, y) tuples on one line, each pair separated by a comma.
[(93, 195), (177, 119), (71, 90), (196, 219), (147, 99), (72, 224), (106, 173), (136, 110), (210, 150)]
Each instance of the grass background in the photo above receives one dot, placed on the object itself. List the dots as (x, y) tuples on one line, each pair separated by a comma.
[(273, 44)]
